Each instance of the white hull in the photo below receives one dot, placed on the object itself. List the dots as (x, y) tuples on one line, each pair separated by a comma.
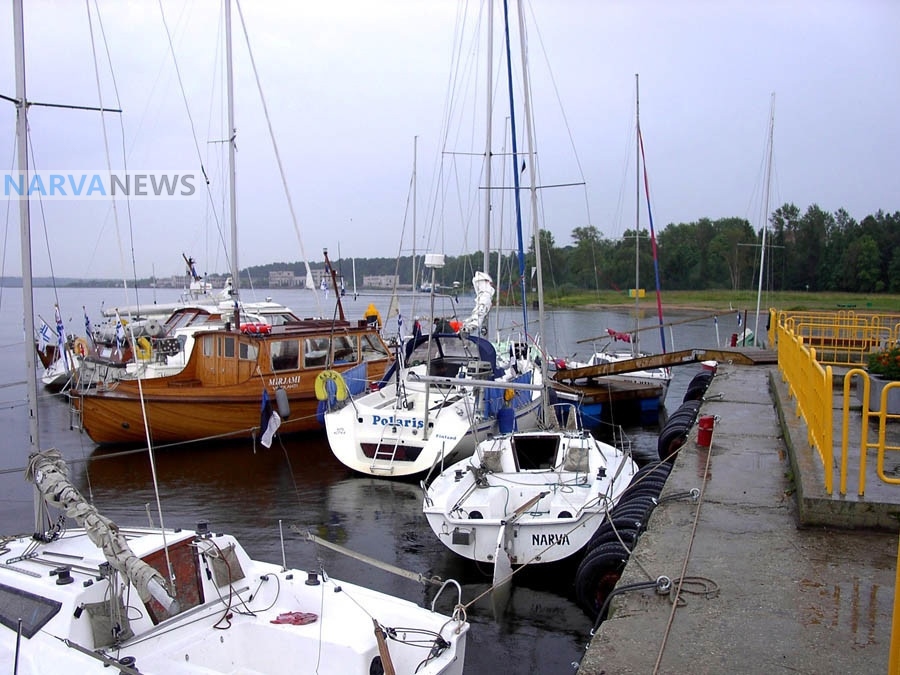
[(660, 377), (549, 512), (381, 433), (409, 426), (200, 639)]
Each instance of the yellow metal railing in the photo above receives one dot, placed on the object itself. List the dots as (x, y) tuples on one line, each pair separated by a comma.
[(883, 416), (843, 338), (810, 385)]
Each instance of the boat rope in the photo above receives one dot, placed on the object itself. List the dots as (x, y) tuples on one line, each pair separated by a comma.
[(681, 578), (383, 650), (284, 181), (123, 666), (419, 578)]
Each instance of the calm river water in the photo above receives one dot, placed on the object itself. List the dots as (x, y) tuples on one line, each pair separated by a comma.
[(297, 483)]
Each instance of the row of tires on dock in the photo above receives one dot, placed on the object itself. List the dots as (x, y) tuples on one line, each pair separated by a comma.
[(607, 553)]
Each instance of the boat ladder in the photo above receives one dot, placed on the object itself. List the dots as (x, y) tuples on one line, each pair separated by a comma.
[(384, 456)]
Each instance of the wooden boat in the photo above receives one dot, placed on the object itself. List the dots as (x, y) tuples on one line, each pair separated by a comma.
[(220, 391)]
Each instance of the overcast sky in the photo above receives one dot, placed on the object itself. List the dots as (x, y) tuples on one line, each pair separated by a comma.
[(350, 83)]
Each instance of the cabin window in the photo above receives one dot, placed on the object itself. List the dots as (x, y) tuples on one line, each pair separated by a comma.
[(208, 345), (228, 347), (315, 352), (285, 355), (248, 351), (373, 348), (345, 349), (34, 610)]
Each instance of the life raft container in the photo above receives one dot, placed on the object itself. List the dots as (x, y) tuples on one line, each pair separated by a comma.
[(257, 328)]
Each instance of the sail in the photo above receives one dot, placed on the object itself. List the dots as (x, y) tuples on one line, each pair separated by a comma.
[(484, 295), (47, 470)]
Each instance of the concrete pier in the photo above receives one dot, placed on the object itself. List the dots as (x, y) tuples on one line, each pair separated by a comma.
[(769, 573)]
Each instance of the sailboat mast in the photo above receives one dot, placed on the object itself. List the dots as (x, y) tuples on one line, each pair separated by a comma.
[(25, 222), (529, 137), (232, 192), (34, 442), (488, 140), (637, 212), (515, 155), (765, 219), (415, 280)]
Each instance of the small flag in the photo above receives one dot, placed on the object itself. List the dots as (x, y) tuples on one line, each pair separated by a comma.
[(60, 329), (269, 421), (61, 339), (739, 319), (45, 337), (120, 334), (88, 329)]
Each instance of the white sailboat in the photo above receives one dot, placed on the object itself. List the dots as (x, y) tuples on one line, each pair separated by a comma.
[(529, 496), (443, 394), (447, 391), (92, 596)]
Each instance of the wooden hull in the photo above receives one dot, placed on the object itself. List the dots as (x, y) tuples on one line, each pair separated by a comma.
[(119, 419), (219, 393)]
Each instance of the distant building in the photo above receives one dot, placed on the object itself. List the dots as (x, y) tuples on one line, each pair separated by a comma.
[(283, 279), (380, 281)]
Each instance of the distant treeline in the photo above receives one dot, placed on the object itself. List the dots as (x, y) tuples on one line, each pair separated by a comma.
[(816, 251)]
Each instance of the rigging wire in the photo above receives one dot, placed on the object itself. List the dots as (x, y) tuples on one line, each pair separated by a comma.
[(125, 284), (206, 181), (284, 183)]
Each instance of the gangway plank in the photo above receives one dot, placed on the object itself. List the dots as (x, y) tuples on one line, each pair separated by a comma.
[(742, 356)]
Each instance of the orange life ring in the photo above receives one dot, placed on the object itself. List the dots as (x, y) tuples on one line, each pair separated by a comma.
[(81, 347)]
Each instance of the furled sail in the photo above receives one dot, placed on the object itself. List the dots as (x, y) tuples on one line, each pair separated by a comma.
[(484, 295), (48, 471)]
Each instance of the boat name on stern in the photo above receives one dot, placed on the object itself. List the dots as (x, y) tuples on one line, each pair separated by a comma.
[(391, 420), (291, 382), (549, 540)]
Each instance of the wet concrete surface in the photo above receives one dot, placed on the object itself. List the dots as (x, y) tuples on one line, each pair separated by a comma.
[(757, 590)]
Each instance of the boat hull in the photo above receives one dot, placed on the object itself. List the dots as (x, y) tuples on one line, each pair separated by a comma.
[(384, 432), (220, 391), (291, 618), (549, 513)]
